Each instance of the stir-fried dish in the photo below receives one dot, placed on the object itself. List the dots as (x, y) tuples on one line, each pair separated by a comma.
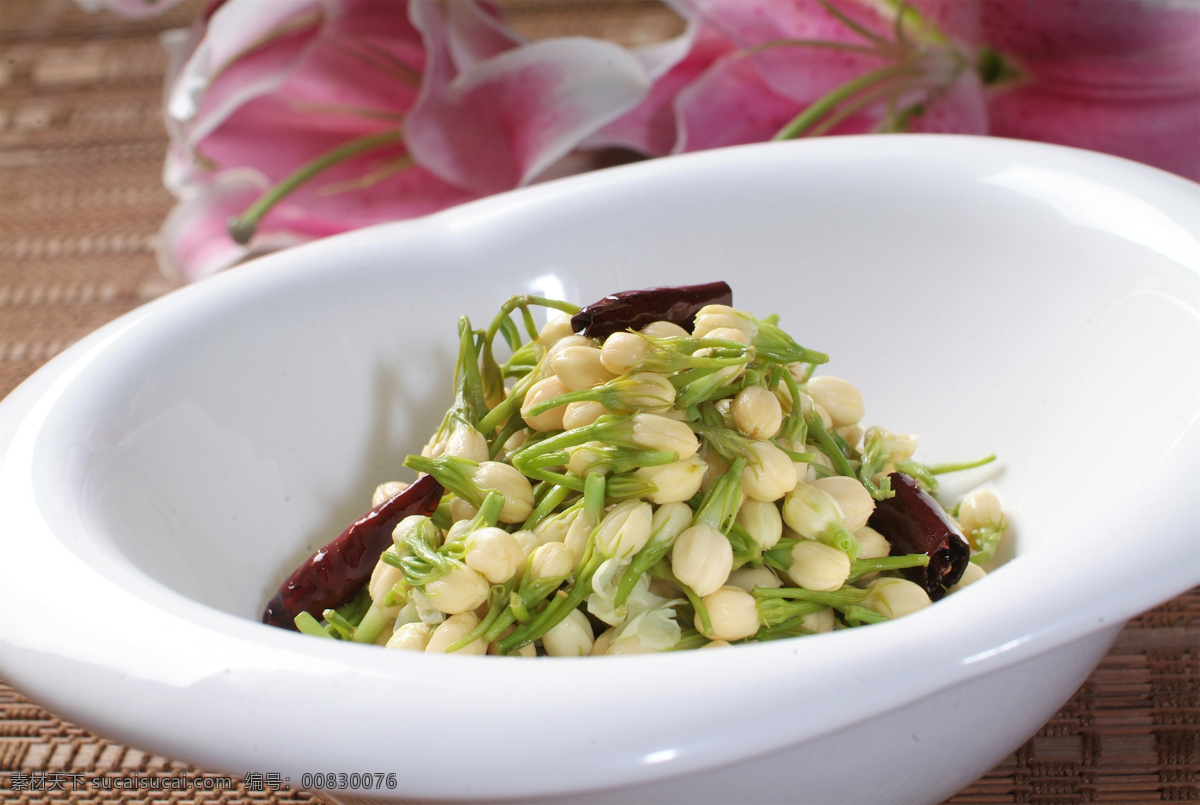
[(656, 471)]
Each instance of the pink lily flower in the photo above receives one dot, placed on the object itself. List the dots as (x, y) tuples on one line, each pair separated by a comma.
[(1121, 76), (303, 118)]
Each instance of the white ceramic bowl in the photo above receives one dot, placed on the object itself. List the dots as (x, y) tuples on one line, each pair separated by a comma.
[(162, 476)]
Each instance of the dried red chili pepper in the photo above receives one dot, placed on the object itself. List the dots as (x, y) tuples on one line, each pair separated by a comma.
[(913, 522), (633, 310), (335, 573)]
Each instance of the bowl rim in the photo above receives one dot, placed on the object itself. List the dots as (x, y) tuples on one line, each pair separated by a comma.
[(248, 648)]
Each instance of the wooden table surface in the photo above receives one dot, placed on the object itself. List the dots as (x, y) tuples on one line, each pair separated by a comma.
[(81, 200)]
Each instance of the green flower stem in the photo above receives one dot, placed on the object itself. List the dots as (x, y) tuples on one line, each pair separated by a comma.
[(555, 611), (243, 227), (861, 567), (940, 469), (828, 444), (813, 113), (497, 597), (453, 473), (309, 625), (509, 407), (546, 506), (720, 506), (370, 626)]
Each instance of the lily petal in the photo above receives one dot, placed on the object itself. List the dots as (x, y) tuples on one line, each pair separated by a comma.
[(1119, 77), (194, 241), (499, 124)]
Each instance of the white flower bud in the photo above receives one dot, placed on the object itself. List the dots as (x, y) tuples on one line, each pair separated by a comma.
[(453, 629), (580, 368), (494, 553), (851, 433), (603, 643), (553, 560), (702, 558), (555, 528), (818, 567), (838, 397), (386, 491), (972, 574), (506, 480), (663, 329), (411, 637), (528, 541), (457, 530), (512, 443), (675, 482), (762, 522), (747, 578), (459, 590), (852, 498), (383, 578), (896, 597), (405, 529), (808, 406), (461, 511), (582, 413), (819, 622), (556, 328), (466, 442), (769, 474), (809, 511), (712, 317), (724, 334), (655, 432), (587, 457), (670, 520), (570, 637), (646, 390), (732, 612), (756, 412), (566, 342), (623, 351), (980, 508), (577, 537), (625, 529), (872, 544), (424, 608), (545, 389)]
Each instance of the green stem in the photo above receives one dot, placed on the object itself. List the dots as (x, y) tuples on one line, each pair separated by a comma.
[(243, 227), (826, 103)]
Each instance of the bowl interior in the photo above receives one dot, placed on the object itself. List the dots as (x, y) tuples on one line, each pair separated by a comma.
[(989, 304)]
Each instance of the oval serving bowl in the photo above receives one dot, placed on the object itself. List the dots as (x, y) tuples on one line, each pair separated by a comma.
[(162, 476)]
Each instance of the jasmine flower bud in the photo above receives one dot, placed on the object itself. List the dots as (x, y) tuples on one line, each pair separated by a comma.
[(817, 566), (625, 529), (675, 482), (896, 597), (733, 613), (840, 398), (509, 482), (570, 637), (701, 558), (452, 630)]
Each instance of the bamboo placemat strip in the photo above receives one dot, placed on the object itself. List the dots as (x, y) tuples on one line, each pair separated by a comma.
[(81, 201)]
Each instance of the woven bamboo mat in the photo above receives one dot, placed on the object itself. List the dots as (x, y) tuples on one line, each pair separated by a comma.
[(81, 148)]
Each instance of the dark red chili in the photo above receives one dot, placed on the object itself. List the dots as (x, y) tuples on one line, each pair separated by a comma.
[(334, 574), (633, 310), (913, 522)]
